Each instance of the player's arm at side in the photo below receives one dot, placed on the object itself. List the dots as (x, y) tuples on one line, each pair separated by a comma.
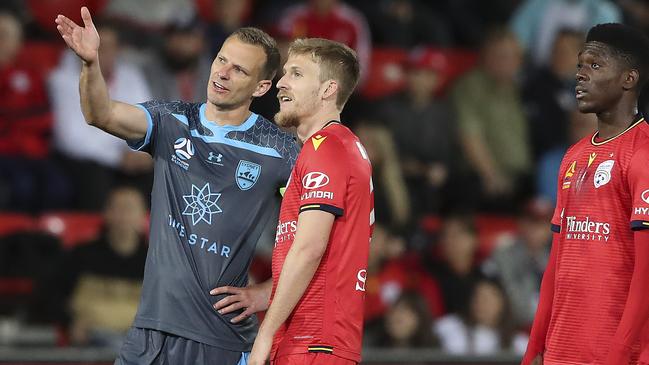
[(119, 119), (301, 263), (536, 344), (636, 309)]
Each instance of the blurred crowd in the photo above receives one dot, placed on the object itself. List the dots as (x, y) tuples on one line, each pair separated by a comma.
[(465, 108)]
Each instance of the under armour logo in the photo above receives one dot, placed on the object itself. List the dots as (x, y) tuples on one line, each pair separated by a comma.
[(314, 180), (215, 158)]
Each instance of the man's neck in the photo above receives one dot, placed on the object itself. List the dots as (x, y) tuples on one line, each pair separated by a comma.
[(221, 117), (311, 125), (613, 122)]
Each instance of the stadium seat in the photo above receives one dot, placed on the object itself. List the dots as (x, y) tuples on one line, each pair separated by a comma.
[(45, 11), (490, 227), (71, 227), (15, 222), (386, 74)]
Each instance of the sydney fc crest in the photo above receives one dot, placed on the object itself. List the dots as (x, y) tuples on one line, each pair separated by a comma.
[(247, 174)]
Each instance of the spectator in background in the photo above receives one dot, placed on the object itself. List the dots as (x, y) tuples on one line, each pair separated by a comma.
[(330, 19), (391, 201), (102, 279), (492, 124), (519, 261), (424, 129), (407, 324), (537, 22), (181, 70), (409, 23), (28, 180), (484, 328), (456, 270), (549, 94), (93, 165)]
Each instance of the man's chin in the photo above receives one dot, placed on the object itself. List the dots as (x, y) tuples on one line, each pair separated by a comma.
[(286, 119)]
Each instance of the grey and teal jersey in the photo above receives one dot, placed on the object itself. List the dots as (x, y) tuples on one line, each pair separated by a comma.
[(215, 188)]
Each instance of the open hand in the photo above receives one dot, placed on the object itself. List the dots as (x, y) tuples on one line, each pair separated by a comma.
[(84, 41)]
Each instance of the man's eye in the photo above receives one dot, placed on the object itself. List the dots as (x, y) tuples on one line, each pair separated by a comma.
[(595, 66)]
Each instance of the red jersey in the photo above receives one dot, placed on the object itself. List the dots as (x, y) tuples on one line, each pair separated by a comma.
[(333, 174), (603, 194)]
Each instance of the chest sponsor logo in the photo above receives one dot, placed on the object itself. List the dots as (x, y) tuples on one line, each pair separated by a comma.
[(285, 231), (201, 205), (215, 158), (247, 174), (603, 173), (315, 180), (205, 244), (585, 229)]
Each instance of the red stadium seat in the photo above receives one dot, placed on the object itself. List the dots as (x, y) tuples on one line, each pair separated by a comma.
[(490, 227), (15, 222), (386, 74), (45, 11), (71, 227)]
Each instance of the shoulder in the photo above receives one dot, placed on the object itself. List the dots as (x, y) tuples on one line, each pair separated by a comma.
[(164, 107)]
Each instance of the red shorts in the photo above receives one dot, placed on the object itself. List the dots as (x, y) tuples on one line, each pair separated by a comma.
[(311, 359)]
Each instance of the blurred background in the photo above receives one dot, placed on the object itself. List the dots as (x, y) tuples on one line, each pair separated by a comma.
[(465, 107)]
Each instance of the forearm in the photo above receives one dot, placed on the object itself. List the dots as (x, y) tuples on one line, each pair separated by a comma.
[(299, 268), (95, 100), (636, 310)]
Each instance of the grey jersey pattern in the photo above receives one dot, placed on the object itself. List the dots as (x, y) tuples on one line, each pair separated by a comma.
[(215, 189)]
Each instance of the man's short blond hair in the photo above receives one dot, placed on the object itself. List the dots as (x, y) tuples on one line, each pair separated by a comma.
[(336, 60)]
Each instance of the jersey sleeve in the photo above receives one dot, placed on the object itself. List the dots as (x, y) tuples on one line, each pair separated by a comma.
[(324, 173), (153, 110), (638, 179)]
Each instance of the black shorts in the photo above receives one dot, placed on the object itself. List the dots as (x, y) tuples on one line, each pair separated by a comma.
[(144, 346)]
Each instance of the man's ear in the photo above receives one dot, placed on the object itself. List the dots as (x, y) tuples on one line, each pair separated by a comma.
[(262, 87), (631, 80), (330, 89)]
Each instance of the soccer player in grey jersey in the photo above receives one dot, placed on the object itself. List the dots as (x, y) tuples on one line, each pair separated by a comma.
[(217, 174)]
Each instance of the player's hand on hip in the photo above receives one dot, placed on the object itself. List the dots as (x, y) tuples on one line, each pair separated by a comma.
[(260, 350), (84, 41), (253, 298)]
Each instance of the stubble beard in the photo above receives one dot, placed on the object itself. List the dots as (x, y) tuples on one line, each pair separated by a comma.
[(287, 119)]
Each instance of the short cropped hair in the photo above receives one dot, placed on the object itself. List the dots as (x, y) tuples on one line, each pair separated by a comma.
[(626, 43), (336, 60), (258, 37)]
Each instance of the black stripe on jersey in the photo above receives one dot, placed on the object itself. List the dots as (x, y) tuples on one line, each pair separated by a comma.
[(324, 207), (321, 349), (639, 225), (556, 228)]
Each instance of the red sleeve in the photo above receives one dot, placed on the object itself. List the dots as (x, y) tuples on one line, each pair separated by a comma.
[(536, 344), (636, 310), (324, 175), (638, 177)]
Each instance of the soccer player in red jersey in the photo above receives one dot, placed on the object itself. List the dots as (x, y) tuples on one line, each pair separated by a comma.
[(322, 242), (595, 292)]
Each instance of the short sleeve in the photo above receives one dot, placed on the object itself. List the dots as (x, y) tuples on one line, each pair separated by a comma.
[(638, 179), (153, 116), (324, 174)]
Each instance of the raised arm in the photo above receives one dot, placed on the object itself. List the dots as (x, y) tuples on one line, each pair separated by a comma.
[(120, 119)]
